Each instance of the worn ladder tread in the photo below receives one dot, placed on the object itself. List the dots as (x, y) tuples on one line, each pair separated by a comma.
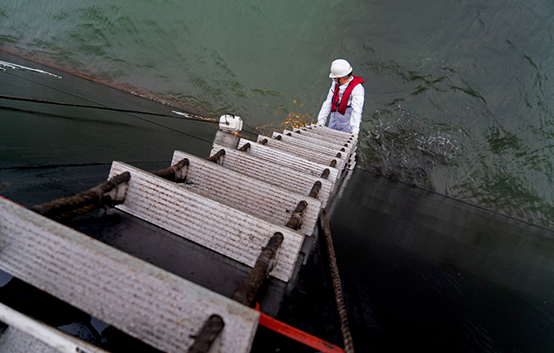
[(312, 144), (236, 234), (289, 160), (327, 134), (149, 303), (317, 139), (272, 203), (303, 153), (272, 172)]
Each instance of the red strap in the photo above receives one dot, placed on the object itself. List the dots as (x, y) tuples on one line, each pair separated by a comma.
[(341, 107), (296, 334)]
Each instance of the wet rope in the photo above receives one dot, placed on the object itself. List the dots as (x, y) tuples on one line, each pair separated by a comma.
[(337, 287), (208, 333), (248, 289), (65, 208)]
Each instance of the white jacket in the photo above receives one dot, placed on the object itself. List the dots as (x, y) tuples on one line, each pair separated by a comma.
[(350, 121)]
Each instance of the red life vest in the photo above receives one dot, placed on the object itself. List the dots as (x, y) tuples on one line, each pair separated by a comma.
[(342, 105)]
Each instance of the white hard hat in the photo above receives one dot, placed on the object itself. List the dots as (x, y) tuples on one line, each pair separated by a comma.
[(340, 68)]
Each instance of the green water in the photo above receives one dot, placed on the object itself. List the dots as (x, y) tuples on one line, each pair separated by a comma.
[(458, 93)]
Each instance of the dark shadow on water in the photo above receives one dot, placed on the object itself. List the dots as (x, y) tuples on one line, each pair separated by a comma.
[(422, 270)]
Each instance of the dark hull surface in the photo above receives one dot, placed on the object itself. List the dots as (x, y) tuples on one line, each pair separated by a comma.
[(419, 270)]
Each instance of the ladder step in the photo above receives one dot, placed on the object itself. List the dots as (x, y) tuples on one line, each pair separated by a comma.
[(148, 303), (304, 153), (316, 139), (289, 160), (272, 203), (312, 144), (327, 134), (324, 130), (273, 173), (224, 229)]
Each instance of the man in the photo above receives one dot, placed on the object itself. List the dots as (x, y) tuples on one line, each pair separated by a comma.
[(345, 100)]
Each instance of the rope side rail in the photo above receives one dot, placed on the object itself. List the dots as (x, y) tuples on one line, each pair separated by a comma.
[(314, 192), (245, 147), (247, 290), (337, 287), (109, 193), (207, 335), (176, 173), (296, 218), (217, 156)]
